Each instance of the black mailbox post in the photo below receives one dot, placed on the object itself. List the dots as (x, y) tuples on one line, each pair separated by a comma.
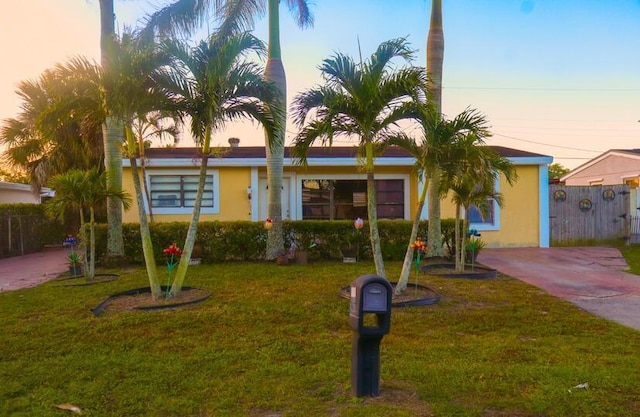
[(370, 320)]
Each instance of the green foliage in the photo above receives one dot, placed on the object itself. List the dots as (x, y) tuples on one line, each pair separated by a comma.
[(276, 341), (245, 240), (557, 170)]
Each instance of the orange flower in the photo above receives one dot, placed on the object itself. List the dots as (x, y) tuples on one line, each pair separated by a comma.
[(419, 245)]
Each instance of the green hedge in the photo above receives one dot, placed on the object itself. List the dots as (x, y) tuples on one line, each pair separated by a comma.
[(246, 241)]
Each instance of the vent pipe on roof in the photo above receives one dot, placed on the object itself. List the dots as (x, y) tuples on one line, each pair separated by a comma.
[(234, 142)]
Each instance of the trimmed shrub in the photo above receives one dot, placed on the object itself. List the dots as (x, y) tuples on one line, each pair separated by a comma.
[(246, 241)]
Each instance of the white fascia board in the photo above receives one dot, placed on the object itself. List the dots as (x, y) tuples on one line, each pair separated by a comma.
[(195, 162), (353, 162), (531, 160)]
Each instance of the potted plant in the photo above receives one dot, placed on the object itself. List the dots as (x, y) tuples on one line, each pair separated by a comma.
[(303, 243), (74, 262), (472, 247)]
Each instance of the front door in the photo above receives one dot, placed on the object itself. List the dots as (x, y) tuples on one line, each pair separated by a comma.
[(264, 198)]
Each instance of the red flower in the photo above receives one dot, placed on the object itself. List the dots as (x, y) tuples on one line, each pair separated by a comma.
[(173, 250)]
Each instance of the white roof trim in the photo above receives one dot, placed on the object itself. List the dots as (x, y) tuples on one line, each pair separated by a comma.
[(346, 161)]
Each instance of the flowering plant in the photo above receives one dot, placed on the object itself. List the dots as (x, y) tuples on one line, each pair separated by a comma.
[(268, 223), (418, 247), (173, 252), (354, 235)]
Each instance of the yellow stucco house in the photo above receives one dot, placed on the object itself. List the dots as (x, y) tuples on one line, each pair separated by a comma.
[(332, 187)]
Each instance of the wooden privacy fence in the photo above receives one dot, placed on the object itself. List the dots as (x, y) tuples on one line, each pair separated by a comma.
[(588, 213)]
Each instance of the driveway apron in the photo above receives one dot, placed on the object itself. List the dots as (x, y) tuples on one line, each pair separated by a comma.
[(30, 270), (590, 277)]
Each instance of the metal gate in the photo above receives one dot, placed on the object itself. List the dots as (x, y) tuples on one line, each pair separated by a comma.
[(581, 214)]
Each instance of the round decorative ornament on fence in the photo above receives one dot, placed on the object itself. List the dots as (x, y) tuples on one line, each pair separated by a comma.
[(608, 195), (559, 196), (585, 204)]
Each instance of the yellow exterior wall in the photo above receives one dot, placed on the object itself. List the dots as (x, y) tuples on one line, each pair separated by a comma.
[(520, 214), (519, 217), (234, 204)]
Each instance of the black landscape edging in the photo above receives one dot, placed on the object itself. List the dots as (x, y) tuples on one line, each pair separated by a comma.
[(479, 272), (85, 283), (145, 290), (345, 292)]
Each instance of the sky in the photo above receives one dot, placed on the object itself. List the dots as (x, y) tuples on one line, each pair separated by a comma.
[(559, 78)]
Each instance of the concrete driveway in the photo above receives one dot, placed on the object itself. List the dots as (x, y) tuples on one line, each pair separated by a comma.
[(590, 277), (32, 269)]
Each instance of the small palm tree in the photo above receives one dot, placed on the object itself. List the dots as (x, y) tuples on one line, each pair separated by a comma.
[(471, 180), (83, 191), (213, 85), (364, 100), (437, 151)]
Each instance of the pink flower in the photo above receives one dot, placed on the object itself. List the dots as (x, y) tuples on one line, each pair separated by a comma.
[(358, 223)]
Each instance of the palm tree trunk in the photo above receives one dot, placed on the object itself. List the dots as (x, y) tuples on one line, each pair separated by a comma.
[(459, 246), (435, 60), (274, 72), (145, 234), (372, 208), (91, 273), (83, 242), (111, 135), (408, 256), (181, 273)]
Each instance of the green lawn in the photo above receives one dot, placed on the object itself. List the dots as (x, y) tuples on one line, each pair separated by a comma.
[(276, 341)]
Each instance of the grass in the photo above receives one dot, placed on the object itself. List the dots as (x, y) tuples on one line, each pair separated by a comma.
[(276, 341)]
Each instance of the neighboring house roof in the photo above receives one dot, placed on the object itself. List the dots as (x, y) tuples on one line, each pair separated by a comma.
[(336, 155), (631, 154), (25, 190)]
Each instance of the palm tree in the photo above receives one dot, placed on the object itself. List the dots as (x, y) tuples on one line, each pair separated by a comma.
[(83, 190), (435, 60), (471, 178), (436, 153), (366, 101), (44, 146), (213, 84), (167, 20)]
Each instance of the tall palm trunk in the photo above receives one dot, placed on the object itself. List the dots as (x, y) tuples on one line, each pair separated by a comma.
[(112, 137), (372, 207), (181, 273), (274, 72), (408, 256), (435, 59)]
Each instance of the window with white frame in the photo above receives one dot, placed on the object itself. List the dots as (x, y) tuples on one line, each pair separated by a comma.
[(490, 220), (333, 199), (175, 192)]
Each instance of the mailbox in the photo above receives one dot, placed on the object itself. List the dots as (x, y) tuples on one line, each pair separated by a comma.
[(370, 309), (370, 320)]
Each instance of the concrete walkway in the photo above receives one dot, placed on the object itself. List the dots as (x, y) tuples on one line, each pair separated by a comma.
[(32, 269), (589, 277)]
